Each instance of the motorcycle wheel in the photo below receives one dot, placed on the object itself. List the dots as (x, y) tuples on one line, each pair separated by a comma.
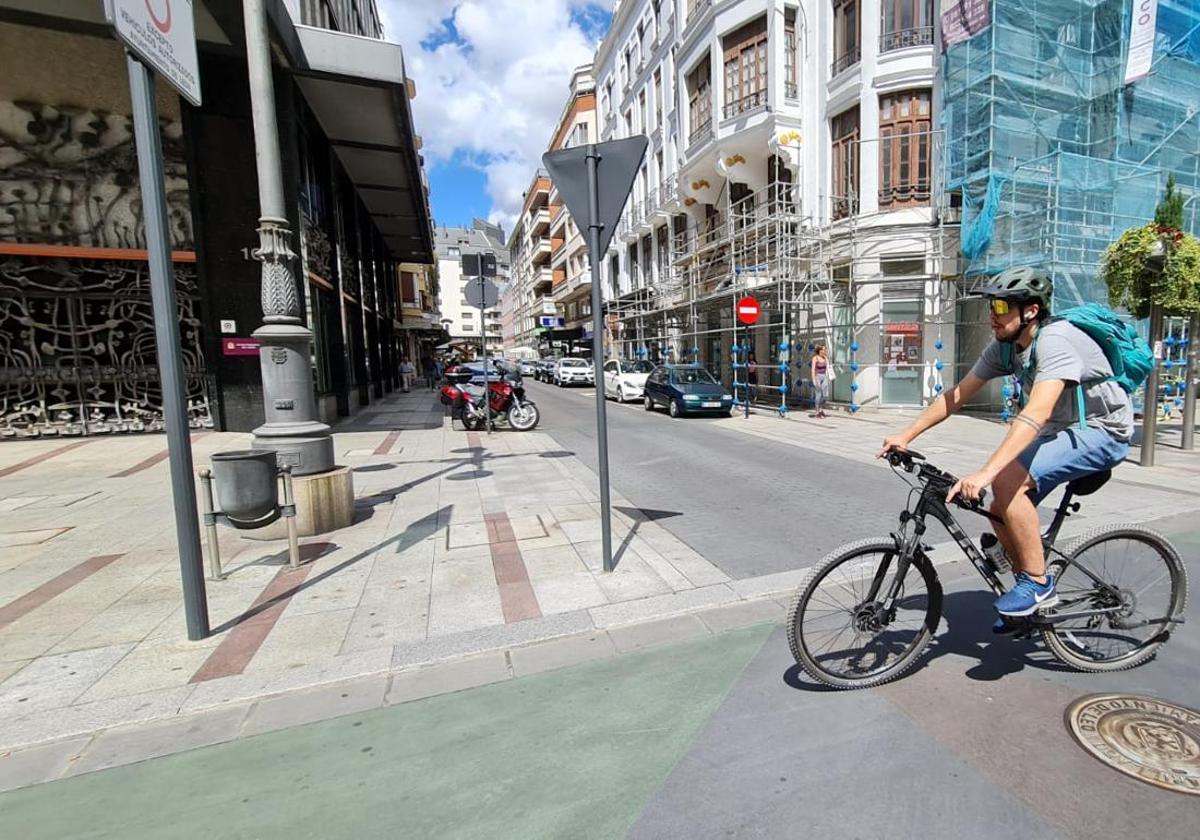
[(524, 417)]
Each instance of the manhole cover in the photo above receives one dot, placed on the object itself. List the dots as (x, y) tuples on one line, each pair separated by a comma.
[(1148, 739)]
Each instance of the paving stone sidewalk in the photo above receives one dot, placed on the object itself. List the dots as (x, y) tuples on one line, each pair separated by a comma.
[(463, 544)]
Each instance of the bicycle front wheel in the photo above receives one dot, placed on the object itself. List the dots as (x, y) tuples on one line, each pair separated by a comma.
[(1141, 587), (841, 632)]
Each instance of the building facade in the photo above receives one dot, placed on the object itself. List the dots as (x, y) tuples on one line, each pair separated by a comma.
[(77, 349), (551, 271), (792, 156), (462, 321)]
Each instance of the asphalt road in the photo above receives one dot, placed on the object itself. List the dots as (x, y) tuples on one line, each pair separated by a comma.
[(750, 506)]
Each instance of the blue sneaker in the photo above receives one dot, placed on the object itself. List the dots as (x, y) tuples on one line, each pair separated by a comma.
[(1027, 596)]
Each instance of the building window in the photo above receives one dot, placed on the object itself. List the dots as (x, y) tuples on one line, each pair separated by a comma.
[(700, 103), (847, 48), (904, 131), (791, 87), (642, 115), (844, 131), (906, 23), (452, 252), (746, 68), (658, 97)]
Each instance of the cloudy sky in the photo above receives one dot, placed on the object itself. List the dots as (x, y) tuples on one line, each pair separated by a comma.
[(492, 79)]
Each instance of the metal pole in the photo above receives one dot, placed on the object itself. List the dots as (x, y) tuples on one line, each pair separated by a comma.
[(746, 355), (487, 361), (166, 336), (1189, 384), (594, 226), (1150, 404), (210, 527), (289, 403)]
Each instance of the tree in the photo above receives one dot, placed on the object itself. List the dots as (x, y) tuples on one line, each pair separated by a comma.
[(1169, 212)]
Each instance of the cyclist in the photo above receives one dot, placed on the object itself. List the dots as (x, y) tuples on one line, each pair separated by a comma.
[(1046, 444)]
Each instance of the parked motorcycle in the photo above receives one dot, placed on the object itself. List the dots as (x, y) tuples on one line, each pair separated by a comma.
[(506, 404)]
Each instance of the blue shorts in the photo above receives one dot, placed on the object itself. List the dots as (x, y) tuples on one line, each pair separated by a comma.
[(1070, 454)]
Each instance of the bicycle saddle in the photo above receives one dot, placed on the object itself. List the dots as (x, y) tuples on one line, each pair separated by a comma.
[(1089, 484)]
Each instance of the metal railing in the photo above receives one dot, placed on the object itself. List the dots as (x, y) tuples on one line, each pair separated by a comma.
[(700, 132), (651, 201), (666, 191), (846, 61), (918, 36), (791, 90), (747, 103)]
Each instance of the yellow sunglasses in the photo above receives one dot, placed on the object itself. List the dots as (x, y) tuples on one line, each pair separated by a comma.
[(1000, 306)]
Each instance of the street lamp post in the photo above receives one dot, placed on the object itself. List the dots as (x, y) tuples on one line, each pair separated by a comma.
[(291, 428)]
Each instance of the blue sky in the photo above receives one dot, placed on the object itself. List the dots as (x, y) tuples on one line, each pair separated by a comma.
[(489, 91)]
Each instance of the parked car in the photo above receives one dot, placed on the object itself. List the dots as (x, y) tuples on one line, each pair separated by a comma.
[(574, 371), (528, 367), (625, 380), (686, 389)]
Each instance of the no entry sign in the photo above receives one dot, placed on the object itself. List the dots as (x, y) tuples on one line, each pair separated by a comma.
[(747, 310)]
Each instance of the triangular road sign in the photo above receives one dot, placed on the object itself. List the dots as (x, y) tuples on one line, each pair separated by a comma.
[(615, 171)]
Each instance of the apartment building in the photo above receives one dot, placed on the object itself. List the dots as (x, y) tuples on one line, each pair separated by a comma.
[(792, 152), (551, 271), (461, 320)]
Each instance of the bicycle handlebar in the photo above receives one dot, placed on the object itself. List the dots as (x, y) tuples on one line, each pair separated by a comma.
[(907, 459)]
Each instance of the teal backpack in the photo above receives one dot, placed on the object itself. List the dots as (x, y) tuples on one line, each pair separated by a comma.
[(1127, 352)]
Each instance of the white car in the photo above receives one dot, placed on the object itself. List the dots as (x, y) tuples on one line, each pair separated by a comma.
[(574, 371), (625, 380)]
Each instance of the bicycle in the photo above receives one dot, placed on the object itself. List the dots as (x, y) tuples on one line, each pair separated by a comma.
[(889, 596)]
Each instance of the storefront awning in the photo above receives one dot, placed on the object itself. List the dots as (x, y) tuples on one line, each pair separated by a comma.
[(359, 92)]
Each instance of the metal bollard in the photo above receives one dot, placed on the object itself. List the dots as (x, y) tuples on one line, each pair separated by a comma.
[(210, 527), (289, 512)]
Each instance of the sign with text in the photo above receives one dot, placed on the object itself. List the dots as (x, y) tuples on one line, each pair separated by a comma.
[(963, 20), (1141, 40), (239, 346), (162, 33)]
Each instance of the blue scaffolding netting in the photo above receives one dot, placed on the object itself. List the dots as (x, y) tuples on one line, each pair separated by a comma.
[(1053, 155)]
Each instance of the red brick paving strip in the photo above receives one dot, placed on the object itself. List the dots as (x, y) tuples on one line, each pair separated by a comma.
[(156, 458), (238, 648), (45, 456), (517, 599), (385, 448), (30, 601)]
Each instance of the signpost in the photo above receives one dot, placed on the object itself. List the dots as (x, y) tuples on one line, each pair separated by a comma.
[(747, 312), (598, 201), (483, 293), (160, 35)]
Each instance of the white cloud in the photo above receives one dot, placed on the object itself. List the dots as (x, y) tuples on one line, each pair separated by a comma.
[(493, 96)]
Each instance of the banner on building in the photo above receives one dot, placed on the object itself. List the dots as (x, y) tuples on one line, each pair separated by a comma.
[(1141, 40), (963, 20)]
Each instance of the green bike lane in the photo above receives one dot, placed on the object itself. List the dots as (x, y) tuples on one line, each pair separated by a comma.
[(720, 737)]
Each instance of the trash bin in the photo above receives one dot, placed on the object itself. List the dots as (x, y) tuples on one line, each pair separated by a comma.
[(247, 487)]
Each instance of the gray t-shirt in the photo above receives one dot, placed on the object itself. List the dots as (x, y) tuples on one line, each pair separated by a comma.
[(1066, 352)]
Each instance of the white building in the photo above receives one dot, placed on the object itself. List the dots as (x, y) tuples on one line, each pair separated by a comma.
[(461, 320), (792, 156)]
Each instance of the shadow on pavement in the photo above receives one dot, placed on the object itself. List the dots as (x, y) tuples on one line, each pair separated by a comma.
[(966, 631)]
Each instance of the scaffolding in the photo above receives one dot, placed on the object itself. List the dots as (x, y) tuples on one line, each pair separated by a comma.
[(808, 275)]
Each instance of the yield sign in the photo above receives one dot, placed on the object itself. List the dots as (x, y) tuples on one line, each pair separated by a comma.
[(616, 168), (747, 310)]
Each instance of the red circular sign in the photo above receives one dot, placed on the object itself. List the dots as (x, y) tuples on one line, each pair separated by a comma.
[(747, 310), (162, 24)]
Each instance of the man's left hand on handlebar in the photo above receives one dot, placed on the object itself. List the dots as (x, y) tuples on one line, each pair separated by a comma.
[(970, 487)]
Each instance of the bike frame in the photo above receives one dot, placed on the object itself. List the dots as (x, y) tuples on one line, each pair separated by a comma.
[(932, 502)]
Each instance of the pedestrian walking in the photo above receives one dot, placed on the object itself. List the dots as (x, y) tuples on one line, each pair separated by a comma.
[(429, 368), (407, 372), (752, 377), (821, 372)]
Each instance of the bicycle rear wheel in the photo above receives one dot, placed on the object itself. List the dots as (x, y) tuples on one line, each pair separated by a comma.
[(838, 629), (1146, 584)]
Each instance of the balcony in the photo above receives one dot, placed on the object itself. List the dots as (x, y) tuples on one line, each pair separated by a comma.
[(542, 282), (846, 61), (700, 132), (791, 90), (695, 9), (545, 305), (651, 202), (919, 36), (540, 252), (758, 99), (666, 193), (539, 221)]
